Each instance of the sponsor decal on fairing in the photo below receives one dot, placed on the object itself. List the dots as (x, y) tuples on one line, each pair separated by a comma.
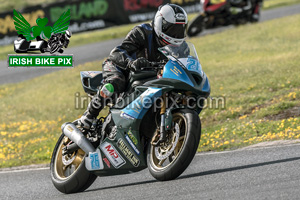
[(112, 154), (128, 153)]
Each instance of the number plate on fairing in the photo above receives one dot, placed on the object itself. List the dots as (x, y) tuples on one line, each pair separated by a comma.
[(94, 161)]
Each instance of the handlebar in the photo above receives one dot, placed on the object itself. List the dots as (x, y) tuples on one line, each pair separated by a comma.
[(157, 64), (154, 66)]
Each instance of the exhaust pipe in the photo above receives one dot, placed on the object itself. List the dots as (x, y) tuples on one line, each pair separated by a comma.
[(72, 132)]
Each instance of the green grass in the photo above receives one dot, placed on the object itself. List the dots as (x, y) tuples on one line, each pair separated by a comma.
[(267, 4), (257, 72), (79, 39)]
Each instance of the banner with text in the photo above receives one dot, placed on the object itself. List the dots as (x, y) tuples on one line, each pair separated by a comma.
[(90, 14), (15, 60)]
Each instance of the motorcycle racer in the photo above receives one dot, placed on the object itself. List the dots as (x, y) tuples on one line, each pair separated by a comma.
[(58, 41), (249, 5), (136, 51)]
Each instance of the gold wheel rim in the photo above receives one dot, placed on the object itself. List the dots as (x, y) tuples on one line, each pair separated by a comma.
[(63, 171), (161, 164)]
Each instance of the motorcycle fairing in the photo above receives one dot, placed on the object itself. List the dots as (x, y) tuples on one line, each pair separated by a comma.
[(138, 108), (91, 80), (206, 85), (173, 70), (192, 65), (214, 7), (122, 146), (94, 161)]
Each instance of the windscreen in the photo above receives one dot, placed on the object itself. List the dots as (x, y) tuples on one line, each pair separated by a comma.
[(185, 54)]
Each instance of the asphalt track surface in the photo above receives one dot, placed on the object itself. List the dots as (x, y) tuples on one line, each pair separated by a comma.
[(259, 173), (100, 50)]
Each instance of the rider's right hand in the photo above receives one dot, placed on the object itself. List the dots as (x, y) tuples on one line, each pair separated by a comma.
[(137, 64)]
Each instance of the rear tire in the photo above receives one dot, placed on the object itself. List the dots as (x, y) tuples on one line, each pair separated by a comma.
[(67, 181), (185, 150), (196, 26)]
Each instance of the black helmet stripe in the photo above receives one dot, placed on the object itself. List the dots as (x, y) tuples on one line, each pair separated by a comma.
[(178, 11)]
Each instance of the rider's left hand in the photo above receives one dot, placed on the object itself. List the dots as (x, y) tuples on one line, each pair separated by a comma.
[(137, 64)]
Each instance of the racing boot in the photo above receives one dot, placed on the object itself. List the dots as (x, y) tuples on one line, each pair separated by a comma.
[(95, 106)]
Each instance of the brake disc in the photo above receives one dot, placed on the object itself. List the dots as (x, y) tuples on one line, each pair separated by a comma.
[(67, 160), (161, 153)]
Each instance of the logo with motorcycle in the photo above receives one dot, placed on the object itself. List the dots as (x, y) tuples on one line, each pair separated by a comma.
[(47, 38)]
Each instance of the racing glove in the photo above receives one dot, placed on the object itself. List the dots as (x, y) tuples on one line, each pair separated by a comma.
[(137, 64)]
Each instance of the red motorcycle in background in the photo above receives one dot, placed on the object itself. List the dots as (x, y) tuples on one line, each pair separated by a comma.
[(224, 12)]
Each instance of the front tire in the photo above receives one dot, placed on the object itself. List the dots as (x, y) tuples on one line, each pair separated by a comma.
[(73, 176), (54, 47), (165, 166), (196, 26)]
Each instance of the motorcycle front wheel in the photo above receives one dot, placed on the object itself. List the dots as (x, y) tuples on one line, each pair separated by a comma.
[(169, 160), (68, 172), (196, 26), (54, 47)]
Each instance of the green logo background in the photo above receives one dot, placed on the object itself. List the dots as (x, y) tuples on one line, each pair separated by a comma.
[(30, 33)]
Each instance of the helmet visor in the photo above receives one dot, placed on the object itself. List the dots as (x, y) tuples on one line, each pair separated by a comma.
[(174, 30)]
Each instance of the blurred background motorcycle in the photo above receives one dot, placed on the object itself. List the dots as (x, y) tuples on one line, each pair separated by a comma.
[(216, 13)]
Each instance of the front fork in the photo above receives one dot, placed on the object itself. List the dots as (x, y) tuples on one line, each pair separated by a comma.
[(165, 123), (162, 121), (162, 129)]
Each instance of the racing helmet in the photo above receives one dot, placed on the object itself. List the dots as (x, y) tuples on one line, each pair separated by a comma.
[(68, 34), (170, 24)]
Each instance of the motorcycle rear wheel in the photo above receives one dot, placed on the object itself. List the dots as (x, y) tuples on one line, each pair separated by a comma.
[(68, 173), (167, 166)]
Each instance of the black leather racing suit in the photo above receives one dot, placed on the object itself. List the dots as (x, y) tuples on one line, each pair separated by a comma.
[(141, 41)]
